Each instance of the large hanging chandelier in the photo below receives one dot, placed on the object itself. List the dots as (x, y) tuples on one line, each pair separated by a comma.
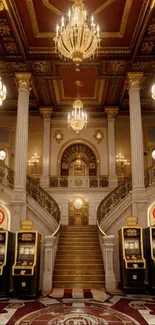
[(2, 92), (77, 119), (76, 40)]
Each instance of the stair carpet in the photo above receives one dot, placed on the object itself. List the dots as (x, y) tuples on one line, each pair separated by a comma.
[(79, 262)]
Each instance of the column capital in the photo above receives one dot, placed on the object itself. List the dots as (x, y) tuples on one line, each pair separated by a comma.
[(111, 112), (134, 79), (46, 112), (24, 80)]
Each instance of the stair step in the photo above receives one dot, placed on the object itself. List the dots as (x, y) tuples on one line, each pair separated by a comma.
[(87, 285), (78, 266), (78, 278), (78, 254), (85, 270)]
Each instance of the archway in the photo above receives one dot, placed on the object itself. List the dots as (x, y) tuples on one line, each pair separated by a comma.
[(78, 160)]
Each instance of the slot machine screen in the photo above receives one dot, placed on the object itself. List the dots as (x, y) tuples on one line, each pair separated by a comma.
[(132, 246), (26, 248)]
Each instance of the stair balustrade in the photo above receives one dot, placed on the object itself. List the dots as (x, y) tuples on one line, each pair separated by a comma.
[(7, 176), (43, 198)]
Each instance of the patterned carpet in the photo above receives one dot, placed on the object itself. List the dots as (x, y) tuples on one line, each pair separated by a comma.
[(108, 310)]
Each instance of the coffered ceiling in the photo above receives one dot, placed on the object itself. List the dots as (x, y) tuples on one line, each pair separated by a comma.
[(27, 28)]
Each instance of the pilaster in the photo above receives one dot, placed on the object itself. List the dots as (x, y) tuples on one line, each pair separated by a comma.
[(139, 194), (21, 145), (111, 114), (46, 114)]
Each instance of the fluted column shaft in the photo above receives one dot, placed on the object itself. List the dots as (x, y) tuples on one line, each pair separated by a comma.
[(46, 113), (112, 113), (136, 133), (21, 146)]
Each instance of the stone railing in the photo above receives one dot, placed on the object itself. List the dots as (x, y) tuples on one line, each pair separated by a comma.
[(79, 181), (43, 198)]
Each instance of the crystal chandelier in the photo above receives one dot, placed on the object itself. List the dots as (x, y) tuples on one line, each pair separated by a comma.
[(153, 91), (76, 40), (77, 119), (2, 92)]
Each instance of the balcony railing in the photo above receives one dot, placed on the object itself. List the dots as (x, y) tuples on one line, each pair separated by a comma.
[(79, 181)]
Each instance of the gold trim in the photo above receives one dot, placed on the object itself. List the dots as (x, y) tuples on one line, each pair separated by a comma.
[(39, 34), (134, 79), (24, 80), (111, 112), (52, 8), (46, 112), (96, 99)]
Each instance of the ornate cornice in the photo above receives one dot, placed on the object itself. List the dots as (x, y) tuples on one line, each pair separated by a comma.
[(46, 112), (134, 79), (24, 80), (111, 112)]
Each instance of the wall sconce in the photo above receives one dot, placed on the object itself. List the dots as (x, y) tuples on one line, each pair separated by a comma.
[(34, 161)]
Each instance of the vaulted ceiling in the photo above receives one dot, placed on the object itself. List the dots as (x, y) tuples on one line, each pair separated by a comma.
[(27, 28)]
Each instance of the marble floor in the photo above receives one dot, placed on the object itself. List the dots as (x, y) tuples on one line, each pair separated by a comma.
[(102, 308)]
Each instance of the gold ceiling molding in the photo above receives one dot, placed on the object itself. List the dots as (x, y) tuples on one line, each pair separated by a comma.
[(39, 34), (52, 8), (62, 99)]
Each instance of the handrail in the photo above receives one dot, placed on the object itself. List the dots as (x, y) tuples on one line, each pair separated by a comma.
[(43, 198), (113, 198), (34, 190), (120, 192)]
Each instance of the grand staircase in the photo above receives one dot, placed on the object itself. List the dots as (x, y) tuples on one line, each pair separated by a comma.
[(79, 262)]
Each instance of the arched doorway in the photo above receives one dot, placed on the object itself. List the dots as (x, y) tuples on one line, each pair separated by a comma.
[(78, 160)]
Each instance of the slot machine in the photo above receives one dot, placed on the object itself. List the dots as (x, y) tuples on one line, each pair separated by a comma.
[(6, 262), (149, 234), (132, 262), (26, 268)]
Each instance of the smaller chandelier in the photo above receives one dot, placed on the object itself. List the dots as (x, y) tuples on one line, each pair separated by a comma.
[(77, 40), (153, 91), (77, 119), (2, 92)]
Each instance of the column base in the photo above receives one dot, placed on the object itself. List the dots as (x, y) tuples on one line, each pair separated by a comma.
[(139, 205), (44, 182), (113, 181), (19, 208)]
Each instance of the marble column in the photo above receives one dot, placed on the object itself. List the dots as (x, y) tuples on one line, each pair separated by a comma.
[(139, 197), (44, 180), (111, 114), (21, 145)]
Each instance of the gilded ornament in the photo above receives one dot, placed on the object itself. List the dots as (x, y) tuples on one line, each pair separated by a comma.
[(24, 80), (134, 79), (1, 6), (111, 112), (46, 112), (117, 67), (98, 136), (58, 136), (41, 67)]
